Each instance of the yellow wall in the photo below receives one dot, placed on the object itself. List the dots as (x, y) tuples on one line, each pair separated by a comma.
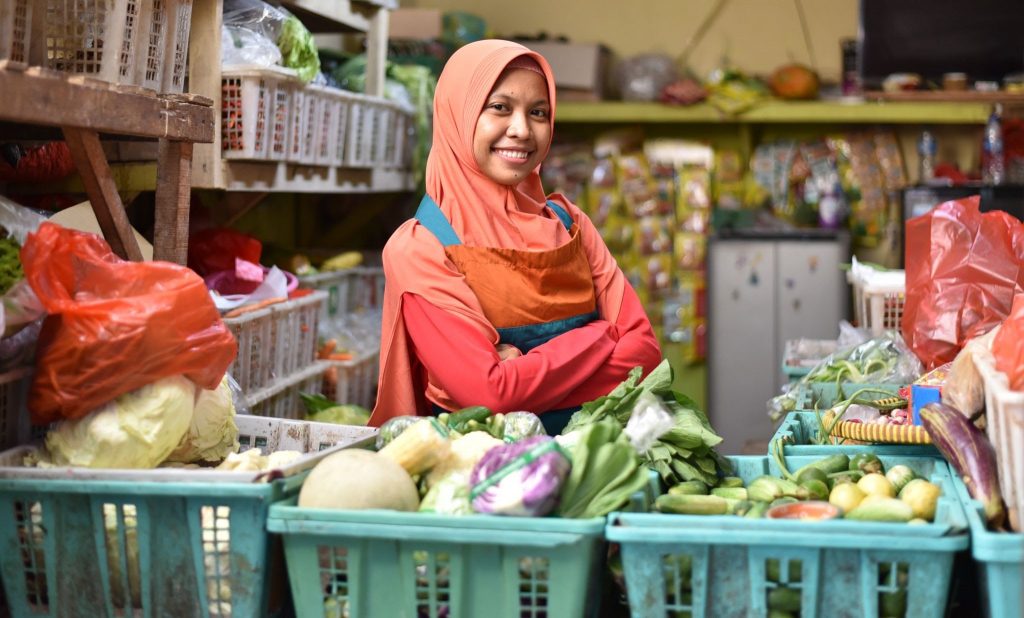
[(755, 35)]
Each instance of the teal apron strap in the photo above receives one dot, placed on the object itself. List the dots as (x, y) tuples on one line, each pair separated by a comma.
[(562, 214), (434, 220)]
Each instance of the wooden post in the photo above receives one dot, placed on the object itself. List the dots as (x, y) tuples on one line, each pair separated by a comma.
[(376, 52), (88, 156), (173, 171)]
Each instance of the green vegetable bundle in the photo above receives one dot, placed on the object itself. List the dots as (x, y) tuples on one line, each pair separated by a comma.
[(686, 452), (605, 474)]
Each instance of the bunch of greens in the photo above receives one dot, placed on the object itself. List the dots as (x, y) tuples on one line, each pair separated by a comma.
[(684, 453), (10, 264), (605, 474), (298, 49)]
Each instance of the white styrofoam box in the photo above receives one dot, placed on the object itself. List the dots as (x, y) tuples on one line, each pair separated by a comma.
[(1004, 423)]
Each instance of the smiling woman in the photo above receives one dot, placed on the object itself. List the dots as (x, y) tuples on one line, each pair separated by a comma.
[(497, 295), (513, 132)]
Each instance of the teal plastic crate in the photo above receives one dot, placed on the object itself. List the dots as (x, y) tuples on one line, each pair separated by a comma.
[(799, 430), (150, 543), (1000, 558), (410, 565), (724, 566)]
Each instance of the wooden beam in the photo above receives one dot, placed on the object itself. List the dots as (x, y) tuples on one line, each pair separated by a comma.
[(38, 96), (376, 52), (204, 78), (174, 169), (99, 185), (236, 203)]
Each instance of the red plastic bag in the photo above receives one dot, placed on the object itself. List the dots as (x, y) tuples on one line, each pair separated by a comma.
[(211, 251), (963, 270), (1008, 345), (115, 326)]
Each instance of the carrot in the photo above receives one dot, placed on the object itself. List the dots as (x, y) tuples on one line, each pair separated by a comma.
[(340, 356), (234, 313), (327, 349)]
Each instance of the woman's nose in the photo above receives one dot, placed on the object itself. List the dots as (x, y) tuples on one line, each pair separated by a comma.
[(517, 126)]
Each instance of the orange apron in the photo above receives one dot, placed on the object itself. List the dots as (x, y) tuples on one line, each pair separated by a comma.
[(530, 297)]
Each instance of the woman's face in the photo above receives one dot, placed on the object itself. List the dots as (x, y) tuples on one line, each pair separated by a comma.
[(513, 131)]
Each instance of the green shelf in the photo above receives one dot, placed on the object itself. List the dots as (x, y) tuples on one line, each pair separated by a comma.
[(780, 112)]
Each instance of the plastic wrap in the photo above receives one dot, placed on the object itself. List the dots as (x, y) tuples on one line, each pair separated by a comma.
[(963, 270), (964, 388), (393, 427), (115, 326), (522, 479), (522, 425), (648, 422), (241, 46), (1008, 345), (643, 77), (251, 27), (883, 360)]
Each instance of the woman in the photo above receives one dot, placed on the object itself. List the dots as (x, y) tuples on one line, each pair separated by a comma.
[(496, 296)]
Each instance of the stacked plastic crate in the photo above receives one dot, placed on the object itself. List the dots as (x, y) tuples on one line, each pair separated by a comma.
[(277, 355)]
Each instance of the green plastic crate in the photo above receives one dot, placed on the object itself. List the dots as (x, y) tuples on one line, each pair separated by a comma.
[(409, 565), (152, 543), (724, 566), (799, 430), (1000, 558)]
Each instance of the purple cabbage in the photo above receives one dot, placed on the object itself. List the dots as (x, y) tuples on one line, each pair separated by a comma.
[(523, 478)]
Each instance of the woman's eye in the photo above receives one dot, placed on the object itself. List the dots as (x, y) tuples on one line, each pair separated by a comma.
[(500, 107), (540, 113)]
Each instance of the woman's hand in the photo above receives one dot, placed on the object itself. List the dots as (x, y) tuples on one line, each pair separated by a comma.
[(507, 351)]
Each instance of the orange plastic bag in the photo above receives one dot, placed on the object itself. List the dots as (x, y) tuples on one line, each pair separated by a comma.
[(963, 270), (1008, 345), (115, 326)]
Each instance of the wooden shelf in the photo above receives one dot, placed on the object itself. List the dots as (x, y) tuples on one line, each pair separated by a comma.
[(779, 112), (54, 99), (255, 177), (321, 16)]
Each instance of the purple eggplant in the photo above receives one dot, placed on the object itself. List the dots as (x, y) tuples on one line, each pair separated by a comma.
[(969, 451)]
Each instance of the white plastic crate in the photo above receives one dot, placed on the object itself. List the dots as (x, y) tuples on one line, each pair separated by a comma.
[(275, 342), (1004, 422), (356, 380), (878, 297), (326, 150), (15, 30), (281, 398), (347, 101), (367, 288), (337, 284), (15, 423), (362, 142), (255, 104), (303, 124), (137, 42)]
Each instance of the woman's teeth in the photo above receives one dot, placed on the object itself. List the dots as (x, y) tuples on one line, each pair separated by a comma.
[(512, 154)]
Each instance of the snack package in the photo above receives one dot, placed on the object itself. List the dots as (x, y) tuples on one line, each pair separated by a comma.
[(964, 388)]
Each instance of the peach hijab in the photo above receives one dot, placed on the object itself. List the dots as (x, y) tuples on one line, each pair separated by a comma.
[(482, 212)]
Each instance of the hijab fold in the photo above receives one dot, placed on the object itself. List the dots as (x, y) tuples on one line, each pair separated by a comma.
[(482, 212)]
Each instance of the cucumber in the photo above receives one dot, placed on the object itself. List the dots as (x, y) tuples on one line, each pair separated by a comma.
[(893, 603), (756, 510), (730, 481), (846, 476), (886, 509), (733, 493), (828, 465), (689, 488), (459, 420), (808, 474), (784, 599), (783, 500), (692, 505)]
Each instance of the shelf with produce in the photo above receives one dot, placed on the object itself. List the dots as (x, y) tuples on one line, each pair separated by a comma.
[(212, 170), (43, 97), (780, 112)]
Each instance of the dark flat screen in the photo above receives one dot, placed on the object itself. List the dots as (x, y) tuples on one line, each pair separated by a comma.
[(983, 38)]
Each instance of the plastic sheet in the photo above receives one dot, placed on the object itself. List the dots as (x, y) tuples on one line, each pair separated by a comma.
[(963, 270), (115, 326)]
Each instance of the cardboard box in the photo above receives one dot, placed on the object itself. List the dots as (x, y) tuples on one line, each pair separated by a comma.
[(416, 24), (581, 69)]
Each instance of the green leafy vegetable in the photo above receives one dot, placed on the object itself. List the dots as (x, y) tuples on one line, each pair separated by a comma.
[(605, 474), (686, 452), (298, 49)]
